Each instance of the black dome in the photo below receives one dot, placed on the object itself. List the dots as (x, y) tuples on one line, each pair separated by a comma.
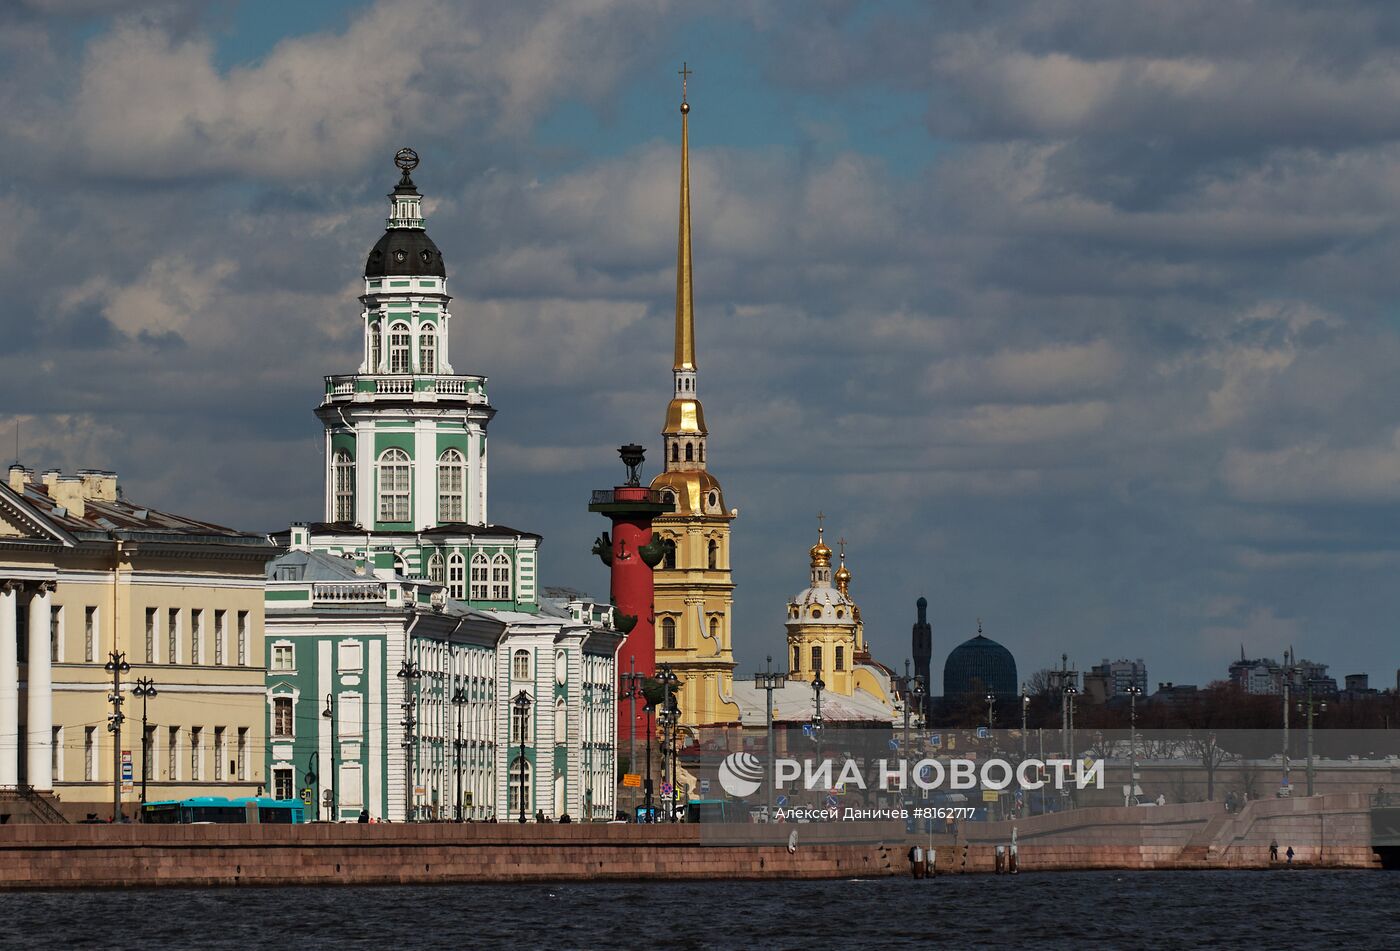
[(407, 252), (980, 664)]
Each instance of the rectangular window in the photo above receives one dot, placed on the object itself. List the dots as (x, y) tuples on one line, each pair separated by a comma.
[(519, 727), (242, 638), (840, 657), (351, 716), (89, 754), (148, 766), (196, 634), (196, 754), (351, 657), (172, 752), (89, 634), (282, 716), (283, 657), (351, 785), (219, 753), (55, 633), (220, 635), (242, 754), (150, 635), (816, 660), (500, 579), (282, 783), (480, 572), (172, 640), (57, 764)]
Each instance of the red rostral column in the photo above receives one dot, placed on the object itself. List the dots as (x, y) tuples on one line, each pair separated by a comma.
[(631, 554)]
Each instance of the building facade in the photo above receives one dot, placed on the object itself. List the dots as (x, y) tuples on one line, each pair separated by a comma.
[(694, 587), (86, 575)]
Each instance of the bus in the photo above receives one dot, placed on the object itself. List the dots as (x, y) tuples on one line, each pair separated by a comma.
[(710, 810), (244, 810)]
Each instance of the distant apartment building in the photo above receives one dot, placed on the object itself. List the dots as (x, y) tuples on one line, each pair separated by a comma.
[(1266, 676), (84, 574), (1117, 677)]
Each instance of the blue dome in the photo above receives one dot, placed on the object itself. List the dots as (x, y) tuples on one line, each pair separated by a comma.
[(979, 665)]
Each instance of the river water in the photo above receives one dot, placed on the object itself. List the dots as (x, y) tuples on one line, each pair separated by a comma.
[(1247, 910)]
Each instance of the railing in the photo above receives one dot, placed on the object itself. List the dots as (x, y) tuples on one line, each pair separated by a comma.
[(607, 496), (352, 591), (427, 385), (41, 805)]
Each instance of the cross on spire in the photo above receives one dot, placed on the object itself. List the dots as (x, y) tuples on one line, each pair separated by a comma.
[(842, 542), (821, 517), (685, 72)]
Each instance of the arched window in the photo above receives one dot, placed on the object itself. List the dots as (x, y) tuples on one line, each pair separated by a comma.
[(395, 477), (376, 354), (689, 452), (435, 574), (668, 633), (668, 560), (561, 720), (343, 467), (561, 667), (714, 554), (816, 660), (480, 572), (796, 658), (427, 349), (519, 781), (456, 575), (714, 628), (840, 657), (520, 665), (400, 349), (675, 452), (451, 486), (702, 455), (500, 578)]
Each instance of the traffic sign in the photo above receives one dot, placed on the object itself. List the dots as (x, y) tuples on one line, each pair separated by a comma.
[(782, 801), (632, 780), (983, 733), (127, 772), (935, 740), (831, 801), (704, 786), (666, 789)]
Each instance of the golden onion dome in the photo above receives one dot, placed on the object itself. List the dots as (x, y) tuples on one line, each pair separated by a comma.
[(843, 577), (821, 555)]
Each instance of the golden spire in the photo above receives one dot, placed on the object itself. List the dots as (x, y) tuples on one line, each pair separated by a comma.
[(843, 574), (821, 554), (685, 303)]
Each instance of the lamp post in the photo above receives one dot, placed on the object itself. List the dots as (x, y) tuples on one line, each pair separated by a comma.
[(666, 719), (1134, 692), (1071, 691), (649, 709), (459, 698), (991, 711), (1025, 711), (634, 690), (333, 785), (410, 673), (116, 666), (769, 681), (1312, 708), (818, 685), (145, 689), (1287, 677), (522, 703), (671, 711)]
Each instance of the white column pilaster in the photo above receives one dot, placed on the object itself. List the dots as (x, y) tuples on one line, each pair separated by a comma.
[(473, 486), (364, 473), (39, 692), (9, 686), (424, 474)]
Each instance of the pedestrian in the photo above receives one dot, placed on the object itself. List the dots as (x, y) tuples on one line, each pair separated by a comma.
[(364, 816), (1273, 850), (1289, 853)]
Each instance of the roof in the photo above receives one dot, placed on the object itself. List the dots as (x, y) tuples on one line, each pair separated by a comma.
[(447, 528), (795, 702), (407, 252), (311, 566)]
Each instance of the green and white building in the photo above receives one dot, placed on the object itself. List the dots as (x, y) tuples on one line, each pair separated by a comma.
[(406, 596)]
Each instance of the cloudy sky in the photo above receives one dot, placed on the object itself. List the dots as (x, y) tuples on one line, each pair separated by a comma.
[(1079, 317)]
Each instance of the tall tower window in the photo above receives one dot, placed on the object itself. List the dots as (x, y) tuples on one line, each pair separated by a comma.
[(796, 659), (675, 452), (500, 578), (427, 349), (714, 628), (435, 574), (840, 657), (714, 554), (668, 633), (451, 480), (395, 477), (480, 574), (376, 355), (816, 660), (400, 349), (456, 575), (343, 467)]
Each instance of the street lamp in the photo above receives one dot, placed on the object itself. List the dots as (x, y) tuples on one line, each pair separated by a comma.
[(1025, 712), (632, 691), (666, 719), (769, 681), (1312, 708), (459, 698), (145, 689), (991, 699), (410, 673), (116, 666), (333, 786), (1134, 692), (522, 703), (666, 675), (1070, 692), (818, 685)]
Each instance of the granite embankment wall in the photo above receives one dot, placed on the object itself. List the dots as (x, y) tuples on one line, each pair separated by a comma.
[(99, 856), (1332, 831)]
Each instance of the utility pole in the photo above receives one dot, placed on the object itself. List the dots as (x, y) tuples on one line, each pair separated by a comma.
[(818, 685), (1025, 711), (116, 666), (459, 698), (410, 673), (1134, 692), (769, 681), (1312, 708), (333, 787), (1287, 687), (145, 689)]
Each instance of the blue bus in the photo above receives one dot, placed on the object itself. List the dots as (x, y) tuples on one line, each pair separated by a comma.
[(244, 810)]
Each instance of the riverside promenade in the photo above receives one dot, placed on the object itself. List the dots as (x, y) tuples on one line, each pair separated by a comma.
[(1332, 831)]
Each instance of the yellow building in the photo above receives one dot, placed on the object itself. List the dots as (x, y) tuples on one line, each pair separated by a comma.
[(694, 589), (85, 573), (826, 636)]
